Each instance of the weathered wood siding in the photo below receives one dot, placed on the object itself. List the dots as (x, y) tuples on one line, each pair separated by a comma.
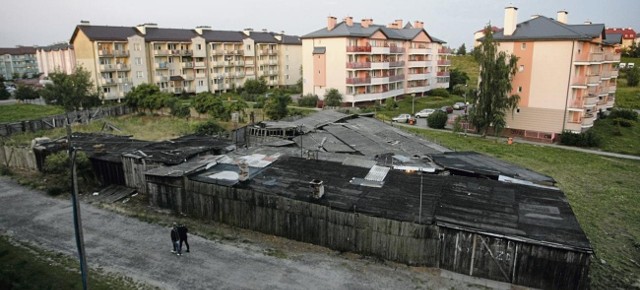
[(18, 158), (134, 169), (469, 253)]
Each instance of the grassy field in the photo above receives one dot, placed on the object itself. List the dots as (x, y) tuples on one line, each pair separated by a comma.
[(28, 267), (21, 112), (602, 191), (467, 64)]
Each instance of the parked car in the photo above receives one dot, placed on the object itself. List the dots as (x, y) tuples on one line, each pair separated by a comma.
[(459, 106), (446, 109), (402, 118), (424, 113)]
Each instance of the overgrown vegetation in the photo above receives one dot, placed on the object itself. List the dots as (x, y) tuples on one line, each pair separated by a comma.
[(584, 139), (22, 112), (437, 120), (71, 92), (308, 100), (602, 192), (58, 170)]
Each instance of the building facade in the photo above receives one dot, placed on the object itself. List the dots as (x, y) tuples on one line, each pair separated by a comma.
[(57, 57), (18, 62), (628, 35), (566, 74), (368, 63), (183, 60)]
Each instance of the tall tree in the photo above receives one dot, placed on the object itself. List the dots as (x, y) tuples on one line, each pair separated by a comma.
[(202, 102), (256, 87), (135, 98), (333, 98), (72, 92), (493, 99), (462, 50), (457, 77), (633, 76), (24, 93), (4, 94), (276, 106)]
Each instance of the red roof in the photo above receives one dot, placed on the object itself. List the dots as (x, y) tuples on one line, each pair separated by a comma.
[(20, 50), (627, 33)]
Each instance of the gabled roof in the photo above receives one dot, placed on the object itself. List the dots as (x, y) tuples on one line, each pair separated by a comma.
[(544, 28), (20, 50), (104, 32), (57, 46), (613, 39), (223, 36), (356, 30), (626, 33), (169, 34), (262, 37), (291, 39)]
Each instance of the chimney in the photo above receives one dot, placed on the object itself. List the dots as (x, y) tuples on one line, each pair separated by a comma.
[(143, 27), (278, 37), (510, 20), (85, 22), (562, 16), (264, 30), (244, 171), (247, 31), (418, 24), (588, 22), (348, 20), (392, 25), (202, 28), (331, 23), (318, 188), (398, 23), (534, 16), (366, 22)]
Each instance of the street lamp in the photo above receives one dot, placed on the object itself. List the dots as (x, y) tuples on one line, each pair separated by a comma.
[(413, 103)]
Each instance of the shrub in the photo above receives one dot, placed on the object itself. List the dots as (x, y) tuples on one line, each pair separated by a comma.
[(308, 100), (57, 163), (437, 120), (622, 122), (390, 104), (457, 126), (623, 114), (438, 92), (584, 139), (209, 128)]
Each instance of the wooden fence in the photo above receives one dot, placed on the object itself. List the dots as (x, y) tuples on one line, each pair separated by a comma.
[(57, 121), (18, 158)]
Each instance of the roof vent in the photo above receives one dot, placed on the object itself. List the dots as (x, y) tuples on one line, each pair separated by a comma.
[(247, 31), (244, 170), (318, 188)]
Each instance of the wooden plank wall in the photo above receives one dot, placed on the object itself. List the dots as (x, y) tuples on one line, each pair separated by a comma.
[(134, 169), (18, 158), (57, 121), (456, 250)]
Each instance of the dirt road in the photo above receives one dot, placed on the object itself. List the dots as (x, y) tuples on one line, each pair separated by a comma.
[(141, 250)]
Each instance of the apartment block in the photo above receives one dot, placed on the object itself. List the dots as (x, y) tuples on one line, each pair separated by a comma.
[(566, 74), (368, 63), (182, 60), (18, 61), (58, 57), (628, 35)]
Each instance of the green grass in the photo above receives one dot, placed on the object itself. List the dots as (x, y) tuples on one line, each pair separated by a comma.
[(467, 64), (27, 267), (404, 105), (21, 112), (618, 139), (602, 191)]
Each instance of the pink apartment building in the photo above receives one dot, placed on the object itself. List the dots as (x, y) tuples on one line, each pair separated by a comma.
[(566, 74), (369, 63), (57, 57)]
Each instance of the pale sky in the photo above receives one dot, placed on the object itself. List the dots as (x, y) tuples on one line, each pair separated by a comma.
[(44, 22)]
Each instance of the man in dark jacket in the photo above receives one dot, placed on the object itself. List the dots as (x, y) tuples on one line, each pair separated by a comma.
[(182, 233), (175, 237)]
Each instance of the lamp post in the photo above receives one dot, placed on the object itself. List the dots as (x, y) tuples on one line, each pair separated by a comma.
[(413, 103)]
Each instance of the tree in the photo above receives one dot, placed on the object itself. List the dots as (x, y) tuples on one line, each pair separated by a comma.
[(238, 106), (332, 98), (156, 101), (276, 106), (493, 100), (390, 104), (256, 87), (180, 110), (457, 77), (24, 93), (4, 94), (136, 96), (218, 110), (308, 100), (202, 102), (72, 92), (437, 120), (633, 76), (462, 50)]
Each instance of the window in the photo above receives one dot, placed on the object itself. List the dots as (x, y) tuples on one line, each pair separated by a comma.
[(248, 46), (136, 46), (523, 46), (199, 46), (519, 89), (287, 76), (521, 68), (201, 83), (518, 110), (287, 67), (106, 90), (139, 74), (138, 60)]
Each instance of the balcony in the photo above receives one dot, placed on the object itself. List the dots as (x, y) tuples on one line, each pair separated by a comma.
[(580, 82), (161, 52), (366, 49), (587, 120), (273, 62), (188, 77), (379, 65), (217, 51), (395, 49), (162, 78), (591, 100), (396, 78), (358, 81), (444, 62), (199, 64), (107, 67), (187, 65), (108, 82), (105, 52), (612, 57), (124, 81), (201, 76), (592, 57), (419, 50), (418, 63), (593, 80), (379, 80), (445, 50), (123, 67), (267, 51), (249, 63), (577, 105), (443, 74), (417, 89), (417, 76), (612, 89), (120, 53), (162, 65), (396, 64), (610, 102), (380, 50)]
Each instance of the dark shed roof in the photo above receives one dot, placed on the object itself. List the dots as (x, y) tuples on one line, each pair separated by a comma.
[(262, 37), (223, 36), (169, 34), (291, 39), (105, 32)]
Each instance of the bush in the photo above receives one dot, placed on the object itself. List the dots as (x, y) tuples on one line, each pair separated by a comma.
[(57, 163), (390, 104), (209, 128), (585, 139), (622, 122), (438, 92), (308, 100), (623, 114), (437, 120)]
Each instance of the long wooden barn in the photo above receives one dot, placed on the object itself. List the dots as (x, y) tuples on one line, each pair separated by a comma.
[(516, 233)]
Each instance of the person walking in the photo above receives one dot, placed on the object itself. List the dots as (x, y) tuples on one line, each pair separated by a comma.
[(182, 233), (175, 238)]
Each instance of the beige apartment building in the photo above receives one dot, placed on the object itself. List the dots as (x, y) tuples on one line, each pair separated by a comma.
[(184, 60), (566, 74), (369, 63), (58, 57)]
